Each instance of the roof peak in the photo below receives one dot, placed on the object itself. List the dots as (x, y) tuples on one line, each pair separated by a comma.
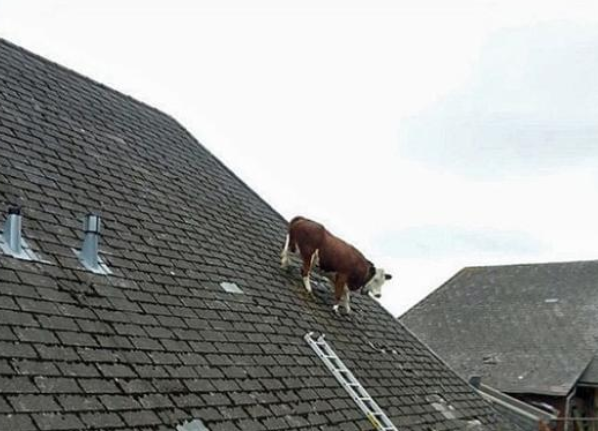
[(104, 87), (531, 264)]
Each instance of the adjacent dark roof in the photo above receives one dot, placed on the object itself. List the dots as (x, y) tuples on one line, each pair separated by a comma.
[(159, 342), (590, 375), (523, 328)]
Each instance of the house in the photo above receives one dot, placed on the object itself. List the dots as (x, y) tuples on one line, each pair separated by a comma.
[(183, 320), (529, 331)]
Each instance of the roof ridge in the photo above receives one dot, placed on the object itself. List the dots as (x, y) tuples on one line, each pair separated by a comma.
[(482, 267), (513, 265), (449, 281), (38, 57)]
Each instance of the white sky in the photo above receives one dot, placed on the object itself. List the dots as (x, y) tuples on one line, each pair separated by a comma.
[(431, 134)]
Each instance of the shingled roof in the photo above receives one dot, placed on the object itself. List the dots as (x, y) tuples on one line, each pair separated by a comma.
[(523, 328), (159, 342)]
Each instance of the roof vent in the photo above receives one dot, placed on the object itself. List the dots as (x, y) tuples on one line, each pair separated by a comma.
[(11, 240), (194, 425), (230, 287), (89, 254)]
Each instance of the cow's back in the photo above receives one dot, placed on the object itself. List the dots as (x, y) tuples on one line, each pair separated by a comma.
[(337, 255), (308, 234), (334, 254)]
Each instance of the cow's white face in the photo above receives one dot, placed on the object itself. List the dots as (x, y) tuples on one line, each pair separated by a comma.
[(374, 286)]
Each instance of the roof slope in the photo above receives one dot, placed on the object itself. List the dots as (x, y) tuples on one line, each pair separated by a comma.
[(524, 328), (159, 342)]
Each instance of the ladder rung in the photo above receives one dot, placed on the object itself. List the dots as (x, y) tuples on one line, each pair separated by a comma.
[(351, 384)]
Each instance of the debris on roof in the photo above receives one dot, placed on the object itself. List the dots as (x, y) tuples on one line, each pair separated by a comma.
[(230, 287), (194, 425)]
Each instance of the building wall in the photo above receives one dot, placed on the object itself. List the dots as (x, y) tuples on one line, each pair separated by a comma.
[(584, 408), (559, 403)]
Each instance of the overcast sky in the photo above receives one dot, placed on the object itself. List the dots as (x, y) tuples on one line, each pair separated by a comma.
[(431, 134)]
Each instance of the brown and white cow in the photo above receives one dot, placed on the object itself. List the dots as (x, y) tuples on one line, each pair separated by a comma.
[(348, 269)]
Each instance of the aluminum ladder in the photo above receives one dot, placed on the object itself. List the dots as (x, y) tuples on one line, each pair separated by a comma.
[(363, 399)]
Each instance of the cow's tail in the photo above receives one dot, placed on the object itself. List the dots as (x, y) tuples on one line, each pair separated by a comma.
[(291, 241)]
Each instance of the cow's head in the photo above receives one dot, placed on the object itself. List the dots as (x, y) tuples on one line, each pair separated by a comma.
[(374, 286)]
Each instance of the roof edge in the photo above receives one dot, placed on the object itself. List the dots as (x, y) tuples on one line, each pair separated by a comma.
[(513, 403)]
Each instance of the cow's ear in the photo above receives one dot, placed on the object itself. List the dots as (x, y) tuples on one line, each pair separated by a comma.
[(387, 276)]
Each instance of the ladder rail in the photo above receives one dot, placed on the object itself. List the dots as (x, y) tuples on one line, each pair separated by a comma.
[(350, 383)]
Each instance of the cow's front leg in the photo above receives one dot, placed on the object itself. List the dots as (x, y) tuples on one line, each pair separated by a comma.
[(307, 284), (340, 284), (306, 268)]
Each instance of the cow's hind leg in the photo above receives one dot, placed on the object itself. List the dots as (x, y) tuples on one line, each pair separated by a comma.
[(284, 255), (308, 263), (347, 300)]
